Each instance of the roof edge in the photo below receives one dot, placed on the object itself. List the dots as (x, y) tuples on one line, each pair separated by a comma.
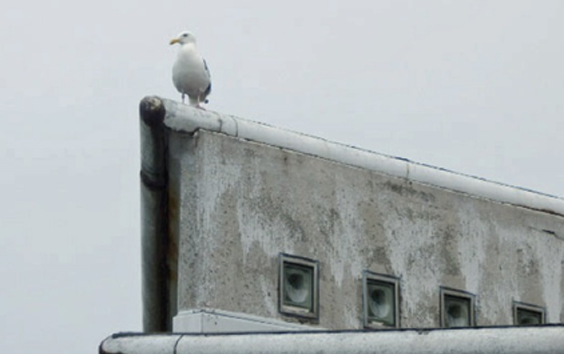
[(185, 118), (525, 340)]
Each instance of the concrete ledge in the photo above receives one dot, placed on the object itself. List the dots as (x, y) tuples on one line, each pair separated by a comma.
[(515, 340), (184, 118), (219, 321)]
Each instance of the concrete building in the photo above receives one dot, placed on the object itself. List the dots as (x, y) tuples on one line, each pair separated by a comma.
[(247, 227)]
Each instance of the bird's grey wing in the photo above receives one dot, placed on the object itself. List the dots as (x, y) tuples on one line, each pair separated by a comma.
[(207, 69), (208, 89)]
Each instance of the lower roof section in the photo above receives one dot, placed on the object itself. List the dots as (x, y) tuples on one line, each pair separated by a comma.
[(184, 118), (518, 340)]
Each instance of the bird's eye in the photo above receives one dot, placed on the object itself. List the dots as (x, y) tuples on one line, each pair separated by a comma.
[(185, 35)]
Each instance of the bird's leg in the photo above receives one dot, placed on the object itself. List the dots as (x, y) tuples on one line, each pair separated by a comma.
[(198, 101), (182, 97)]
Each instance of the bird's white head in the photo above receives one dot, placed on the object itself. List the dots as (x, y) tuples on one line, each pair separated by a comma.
[(184, 38)]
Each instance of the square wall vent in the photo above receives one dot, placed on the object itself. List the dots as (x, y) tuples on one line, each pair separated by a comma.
[(298, 286)]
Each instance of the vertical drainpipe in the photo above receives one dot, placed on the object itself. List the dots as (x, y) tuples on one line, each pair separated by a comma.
[(159, 304)]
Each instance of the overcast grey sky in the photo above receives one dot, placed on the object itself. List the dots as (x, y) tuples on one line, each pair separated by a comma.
[(472, 86)]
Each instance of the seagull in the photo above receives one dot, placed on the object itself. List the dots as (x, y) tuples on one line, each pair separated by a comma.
[(190, 72)]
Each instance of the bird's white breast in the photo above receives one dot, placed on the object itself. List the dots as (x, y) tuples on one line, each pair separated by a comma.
[(189, 73)]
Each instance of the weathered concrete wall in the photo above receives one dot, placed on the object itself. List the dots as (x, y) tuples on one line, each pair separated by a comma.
[(234, 205)]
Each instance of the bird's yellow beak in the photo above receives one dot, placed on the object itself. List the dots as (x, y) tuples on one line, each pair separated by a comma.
[(174, 41)]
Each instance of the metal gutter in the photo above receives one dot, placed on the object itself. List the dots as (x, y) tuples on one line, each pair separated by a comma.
[(158, 291), (181, 117), (548, 339)]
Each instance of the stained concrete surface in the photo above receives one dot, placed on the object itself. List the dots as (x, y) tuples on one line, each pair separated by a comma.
[(238, 204)]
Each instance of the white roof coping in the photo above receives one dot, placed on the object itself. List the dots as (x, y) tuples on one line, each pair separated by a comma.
[(545, 339), (203, 320), (184, 118)]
